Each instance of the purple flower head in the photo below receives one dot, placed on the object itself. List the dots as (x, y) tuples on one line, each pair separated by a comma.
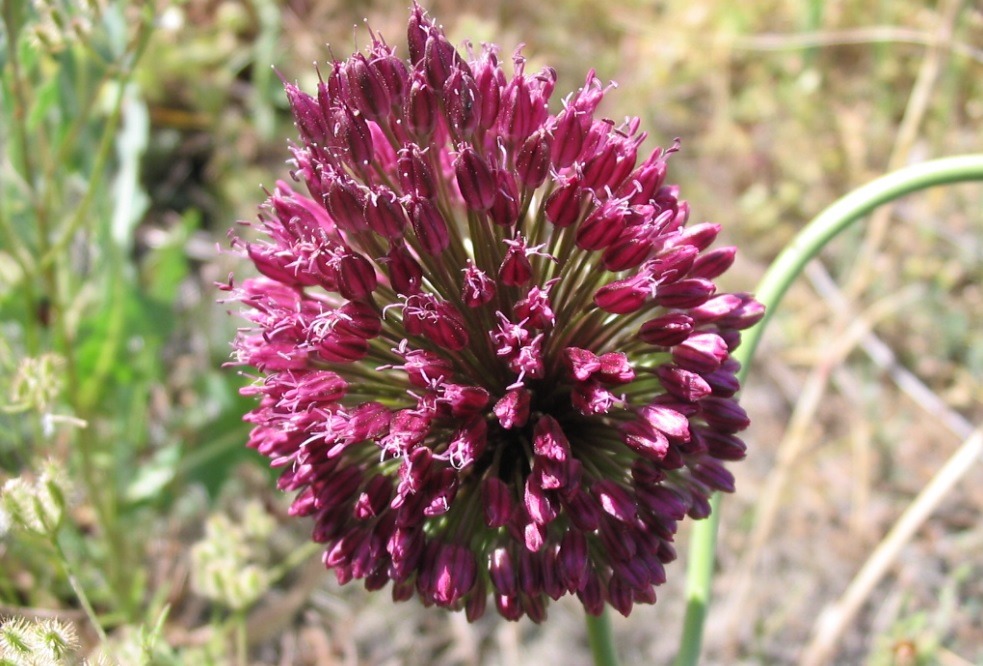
[(492, 357)]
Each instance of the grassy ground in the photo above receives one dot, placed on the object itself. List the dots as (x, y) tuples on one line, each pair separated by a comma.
[(115, 196)]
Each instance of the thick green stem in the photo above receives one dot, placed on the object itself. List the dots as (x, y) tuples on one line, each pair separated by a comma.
[(776, 281), (601, 640)]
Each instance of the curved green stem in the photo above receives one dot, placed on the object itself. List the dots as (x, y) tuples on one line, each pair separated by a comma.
[(776, 281), (601, 640)]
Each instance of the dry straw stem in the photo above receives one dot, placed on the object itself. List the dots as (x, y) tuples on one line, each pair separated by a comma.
[(835, 619), (885, 359), (914, 114), (877, 34)]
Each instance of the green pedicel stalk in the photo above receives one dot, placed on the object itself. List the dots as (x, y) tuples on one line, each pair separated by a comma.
[(786, 267), (601, 640)]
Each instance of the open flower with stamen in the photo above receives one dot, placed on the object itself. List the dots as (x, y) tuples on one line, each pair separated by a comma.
[(493, 362)]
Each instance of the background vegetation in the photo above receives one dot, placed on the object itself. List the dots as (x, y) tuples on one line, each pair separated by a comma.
[(134, 135)]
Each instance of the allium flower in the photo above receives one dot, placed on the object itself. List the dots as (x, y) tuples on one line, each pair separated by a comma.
[(494, 362)]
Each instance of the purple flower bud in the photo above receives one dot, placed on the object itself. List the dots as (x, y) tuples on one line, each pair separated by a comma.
[(368, 421), (700, 508), (515, 269), (625, 296), (384, 214), (468, 444), (668, 330), (512, 409), (572, 560), (533, 161), (405, 274), (346, 202), (415, 175), (583, 510), (646, 179), (307, 114), (635, 243), (490, 80), (536, 308), (497, 502), (356, 276), (663, 501), (539, 505), (568, 137), (553, 587), (615, 368), (374, 498), (723, 382), (462, 103), (422, 109), (620, 596), (505, 210), (745, 315), (699, 236), (441, 59), (683, 384), (518, 110), (424, 367), (582, 363), (391, 71), (713, 474), (715, 308), (613, 160), (684, 293), (502, 572), (508, 606), (617, 539), (358, 319), (429, 226), (591, 398), (714, 263), (440, 492), (405, 547), (534, 536), (475, 180), (477, 601), (549, 440), (530, 579), (591, 595), (667, 419), (615, 500), (724, 414), (565, 206), (437, 320), (364, 88), (337, 488), (603, 226), (478, 288), (335, 348), (464, 401), (353, 136), (700, 352), (417, 33), (721, 445)]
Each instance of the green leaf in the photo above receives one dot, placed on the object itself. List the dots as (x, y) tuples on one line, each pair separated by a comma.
[(152, 477), (46, 98)]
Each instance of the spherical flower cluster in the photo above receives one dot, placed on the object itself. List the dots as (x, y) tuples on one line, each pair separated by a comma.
[(494, 364)]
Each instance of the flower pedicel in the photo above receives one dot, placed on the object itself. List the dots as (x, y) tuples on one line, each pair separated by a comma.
[(493, 359)]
